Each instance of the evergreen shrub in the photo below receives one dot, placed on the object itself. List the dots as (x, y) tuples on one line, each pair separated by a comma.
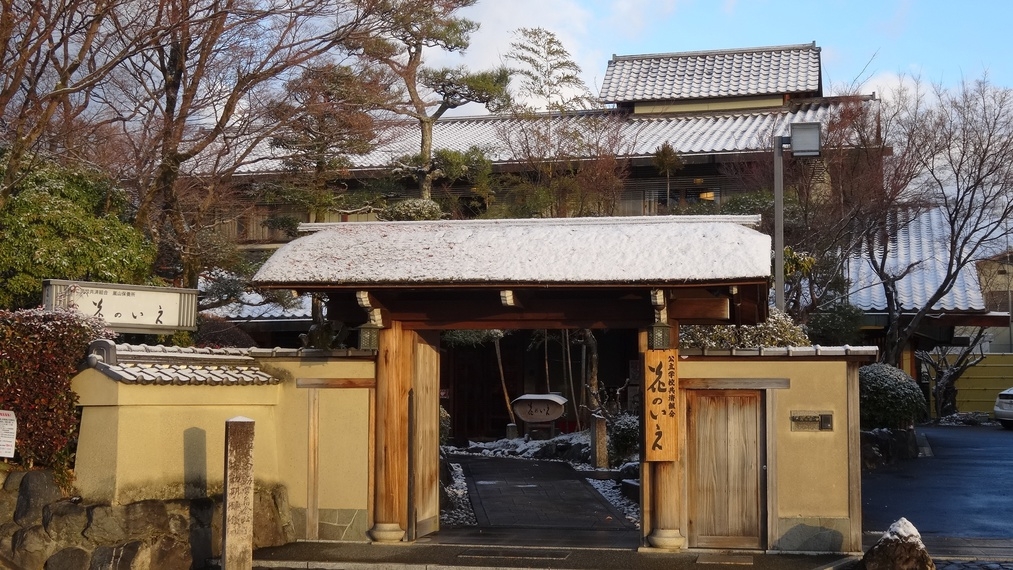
[(888, 398), (623, 437), (39, 354), (411, 210)]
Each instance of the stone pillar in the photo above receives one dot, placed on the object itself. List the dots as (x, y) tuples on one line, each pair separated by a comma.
[(599, 443), (237, 511), (393, 379)]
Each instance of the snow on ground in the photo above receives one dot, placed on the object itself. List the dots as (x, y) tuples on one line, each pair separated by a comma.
[(968, 419), (462, 513), (523, 448)]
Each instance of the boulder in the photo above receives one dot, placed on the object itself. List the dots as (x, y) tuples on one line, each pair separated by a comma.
[(580, 452), (145, 519), (9, 495), (900, 548), (106, 524), (268, 528), (36, 490), (168, 553), (72, 558), (130, 556), (13, 481), (31, 547), (65, 522), (883, 446)]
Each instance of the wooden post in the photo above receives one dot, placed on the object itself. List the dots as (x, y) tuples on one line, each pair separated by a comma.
[(313, 467), (393, 379), (599, 439), (237, 511), (666, 490)]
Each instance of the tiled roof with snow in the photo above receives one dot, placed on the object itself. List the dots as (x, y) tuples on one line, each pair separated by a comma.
[(921, 242), (620, 251), (713, 74), (689, 134), (251, 307), (178, 366)]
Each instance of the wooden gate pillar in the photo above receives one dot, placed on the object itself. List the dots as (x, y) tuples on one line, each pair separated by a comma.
[(666, 497), (393, 381)]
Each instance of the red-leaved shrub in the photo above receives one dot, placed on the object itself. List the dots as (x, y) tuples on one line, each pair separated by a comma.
[(39, 354)]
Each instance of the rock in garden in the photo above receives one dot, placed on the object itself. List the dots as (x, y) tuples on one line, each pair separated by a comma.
[(72, 558), (900, 548), (36, 490)]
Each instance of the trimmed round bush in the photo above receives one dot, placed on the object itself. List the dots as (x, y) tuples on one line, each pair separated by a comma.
[(888, 397), (411, 210), (623, 437)]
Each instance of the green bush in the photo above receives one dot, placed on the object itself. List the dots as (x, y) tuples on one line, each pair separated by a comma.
[(623, 437), (39, 354), (411, 210), (777, 330), (215, 332), (836, 326), (888, 398)]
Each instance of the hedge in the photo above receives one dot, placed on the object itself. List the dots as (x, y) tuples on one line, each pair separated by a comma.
[(39, 354)]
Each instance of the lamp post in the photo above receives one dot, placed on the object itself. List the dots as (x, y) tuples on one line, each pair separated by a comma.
[(804, 140)]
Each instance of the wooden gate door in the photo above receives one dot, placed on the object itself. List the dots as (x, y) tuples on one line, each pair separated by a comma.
[(426, 444), (725, 468)]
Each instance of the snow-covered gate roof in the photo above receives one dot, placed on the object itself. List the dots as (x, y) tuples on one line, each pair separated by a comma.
[(441, 268)]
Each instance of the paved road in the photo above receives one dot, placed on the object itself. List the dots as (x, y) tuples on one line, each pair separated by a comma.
[(964, 490)]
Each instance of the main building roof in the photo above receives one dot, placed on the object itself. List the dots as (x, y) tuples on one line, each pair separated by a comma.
[(781, 70)]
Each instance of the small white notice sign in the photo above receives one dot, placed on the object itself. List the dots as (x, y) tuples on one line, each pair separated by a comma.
[(8, 433)]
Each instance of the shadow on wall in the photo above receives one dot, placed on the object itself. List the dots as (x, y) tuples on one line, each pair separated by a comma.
[(809, 538), (195, 488)]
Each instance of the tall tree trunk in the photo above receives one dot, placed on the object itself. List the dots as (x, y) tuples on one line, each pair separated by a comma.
[(569, 375), (502, 381), (545, 357), (426, 153)]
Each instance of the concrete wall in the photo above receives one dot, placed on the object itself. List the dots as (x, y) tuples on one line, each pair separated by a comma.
[(150, 441), (813, 477), (343, 445), (161, 442), (167, 441)]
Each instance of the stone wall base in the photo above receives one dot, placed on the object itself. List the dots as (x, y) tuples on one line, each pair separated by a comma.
[(39, 528), (348, 525)]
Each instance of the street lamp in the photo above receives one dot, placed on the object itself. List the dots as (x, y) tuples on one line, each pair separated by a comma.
[(804, 140)]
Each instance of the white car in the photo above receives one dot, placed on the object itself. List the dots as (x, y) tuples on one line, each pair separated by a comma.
[(1004, 408)]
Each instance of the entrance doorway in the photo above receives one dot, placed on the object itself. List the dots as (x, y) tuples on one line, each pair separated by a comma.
[(725, 446)]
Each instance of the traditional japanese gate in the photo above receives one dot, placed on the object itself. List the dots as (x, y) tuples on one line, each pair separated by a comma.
[(410, 280), (725, 467)]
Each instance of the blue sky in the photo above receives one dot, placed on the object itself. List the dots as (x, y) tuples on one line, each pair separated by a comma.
[(869, 41)]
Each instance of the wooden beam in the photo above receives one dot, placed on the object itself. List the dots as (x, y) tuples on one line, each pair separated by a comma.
[(709, 309), (335, 382), (735, 383), (589, 307)]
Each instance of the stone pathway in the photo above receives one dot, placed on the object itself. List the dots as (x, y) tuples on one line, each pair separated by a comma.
[(537, 494)]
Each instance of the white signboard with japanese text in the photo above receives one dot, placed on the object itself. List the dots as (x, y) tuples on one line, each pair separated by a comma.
[(8, 433), (126, 308)]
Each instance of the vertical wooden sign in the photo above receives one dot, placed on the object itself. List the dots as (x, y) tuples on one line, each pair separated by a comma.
[(660, 390)]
